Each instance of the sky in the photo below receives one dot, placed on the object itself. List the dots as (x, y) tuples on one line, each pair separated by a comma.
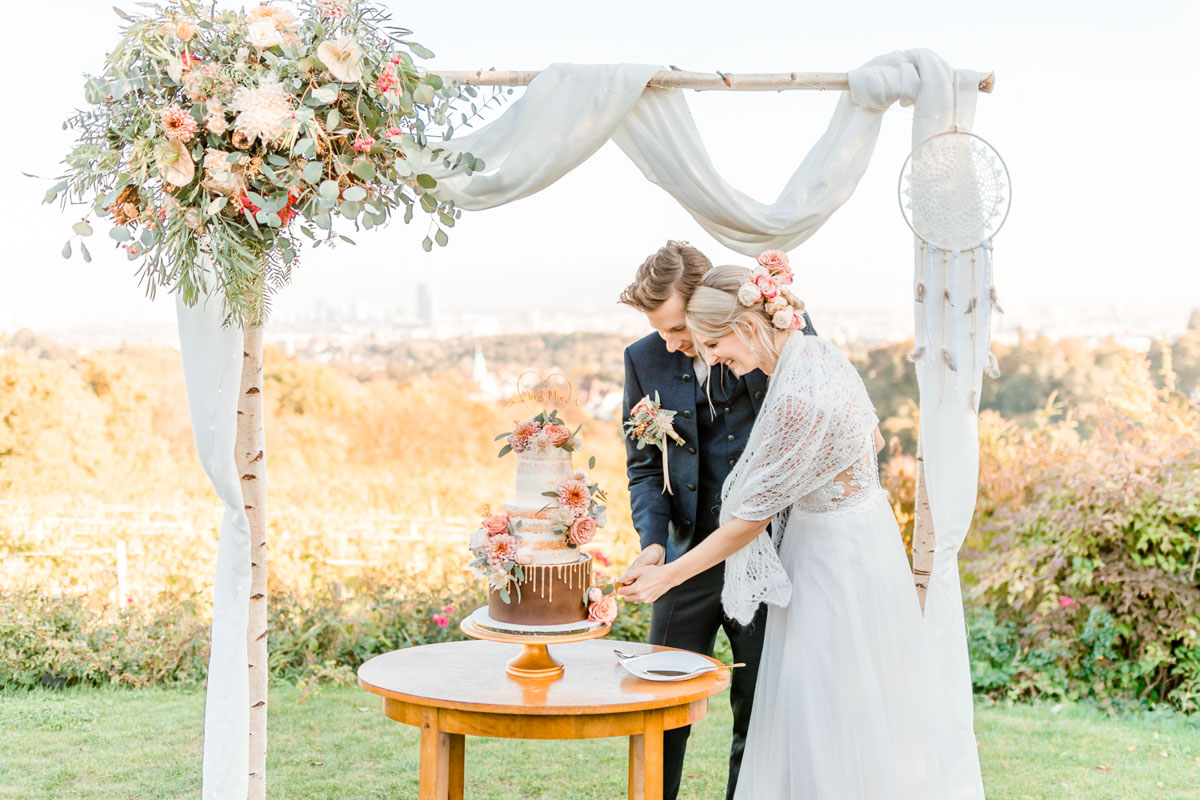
[(1094, 113)]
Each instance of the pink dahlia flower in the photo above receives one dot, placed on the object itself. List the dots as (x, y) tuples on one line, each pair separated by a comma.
[(574, 496)]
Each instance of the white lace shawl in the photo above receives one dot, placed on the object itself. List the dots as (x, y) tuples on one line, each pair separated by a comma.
[(815, 422)]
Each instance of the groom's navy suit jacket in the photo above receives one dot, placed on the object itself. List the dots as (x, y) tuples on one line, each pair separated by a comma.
[(674, 520)]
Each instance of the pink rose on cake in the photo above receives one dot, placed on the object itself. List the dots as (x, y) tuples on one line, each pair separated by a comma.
[(522, 436), (541, 442), (501, 549), (595, 595), (557, 434), (582, 531), (495, 524), (604, 611)]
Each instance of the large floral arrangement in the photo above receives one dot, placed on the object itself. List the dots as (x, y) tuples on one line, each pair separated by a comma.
[(217, 138), (540, 434)]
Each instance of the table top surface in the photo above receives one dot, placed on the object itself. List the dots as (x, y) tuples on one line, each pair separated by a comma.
[(470, 676)]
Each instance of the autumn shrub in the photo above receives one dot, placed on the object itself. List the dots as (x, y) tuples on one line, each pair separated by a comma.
[(1085, 557)]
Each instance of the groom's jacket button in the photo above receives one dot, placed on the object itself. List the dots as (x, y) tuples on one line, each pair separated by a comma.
[(730, 437), (758, 395), (687, 378), (687, 415), (732, 461), (691, 487), (691, 450), (727, 409)]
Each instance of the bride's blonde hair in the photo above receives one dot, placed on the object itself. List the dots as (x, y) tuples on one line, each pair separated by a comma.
[(714, 311)]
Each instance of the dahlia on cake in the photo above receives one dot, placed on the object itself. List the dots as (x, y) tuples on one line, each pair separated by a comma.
[(530, 552)]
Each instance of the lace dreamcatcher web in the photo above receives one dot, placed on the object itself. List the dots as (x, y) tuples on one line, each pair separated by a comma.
[(955, 193)]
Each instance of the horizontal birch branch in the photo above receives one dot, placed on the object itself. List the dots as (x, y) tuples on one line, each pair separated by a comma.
[(700, 81)]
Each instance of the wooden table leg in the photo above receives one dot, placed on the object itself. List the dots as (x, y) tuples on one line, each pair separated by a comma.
[(646, 760), (435, 759), (458, 747)]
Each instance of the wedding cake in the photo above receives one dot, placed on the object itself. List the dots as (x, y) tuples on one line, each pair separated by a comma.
[(537, 574)]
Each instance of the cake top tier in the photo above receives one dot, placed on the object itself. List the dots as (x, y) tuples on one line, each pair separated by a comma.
[(538, 473)]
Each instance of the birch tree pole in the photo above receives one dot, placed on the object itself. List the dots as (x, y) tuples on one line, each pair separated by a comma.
[(250, 455)]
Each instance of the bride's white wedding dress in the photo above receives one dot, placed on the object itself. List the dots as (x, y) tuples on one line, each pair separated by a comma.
[(844, 707)]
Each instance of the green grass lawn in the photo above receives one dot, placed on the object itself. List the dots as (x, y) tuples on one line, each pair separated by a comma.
[(105, 744)]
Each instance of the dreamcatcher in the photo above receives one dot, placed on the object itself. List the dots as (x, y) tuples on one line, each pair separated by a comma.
[(955, 193)]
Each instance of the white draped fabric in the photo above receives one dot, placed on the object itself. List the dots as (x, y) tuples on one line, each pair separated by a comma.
[(212, 368), (563, 117)]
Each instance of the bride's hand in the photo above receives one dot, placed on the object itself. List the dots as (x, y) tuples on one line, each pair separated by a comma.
[(646, 584)]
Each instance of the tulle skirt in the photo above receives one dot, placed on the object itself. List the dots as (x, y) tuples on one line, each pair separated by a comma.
[(845, 706)]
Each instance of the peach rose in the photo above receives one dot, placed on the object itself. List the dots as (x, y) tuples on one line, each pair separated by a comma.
[(557, 434), (773, 259), (495, 523), (582, 531), (604, 611), (766, 285)]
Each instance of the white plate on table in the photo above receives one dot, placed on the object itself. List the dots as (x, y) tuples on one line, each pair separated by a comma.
[(683, 660)]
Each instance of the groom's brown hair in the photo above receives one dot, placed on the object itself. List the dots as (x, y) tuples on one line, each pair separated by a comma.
[(676, 267)]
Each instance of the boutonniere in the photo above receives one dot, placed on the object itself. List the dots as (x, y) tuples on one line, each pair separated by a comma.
[(650, 423)]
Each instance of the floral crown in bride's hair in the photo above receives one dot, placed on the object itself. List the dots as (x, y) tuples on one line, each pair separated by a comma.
[(768, 287)]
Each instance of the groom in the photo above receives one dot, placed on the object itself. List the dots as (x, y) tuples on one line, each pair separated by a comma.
[(689, 616)]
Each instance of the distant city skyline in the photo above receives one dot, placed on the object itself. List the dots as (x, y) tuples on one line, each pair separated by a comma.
[(1099, 155)]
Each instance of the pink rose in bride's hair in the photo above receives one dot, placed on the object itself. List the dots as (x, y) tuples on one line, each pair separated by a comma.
[(604, 611), (773, 259), (784, 320), (783, 275), (582, 531), (797, 323), (766, 285), (495, 524), (557, 434)]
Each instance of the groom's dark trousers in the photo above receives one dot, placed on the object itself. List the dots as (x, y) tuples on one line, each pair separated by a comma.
[(689, 616)]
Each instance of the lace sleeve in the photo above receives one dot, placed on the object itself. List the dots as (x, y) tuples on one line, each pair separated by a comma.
[(816, 421)]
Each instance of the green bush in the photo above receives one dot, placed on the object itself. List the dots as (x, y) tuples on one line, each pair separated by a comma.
[(1086, 571), (322, 633)]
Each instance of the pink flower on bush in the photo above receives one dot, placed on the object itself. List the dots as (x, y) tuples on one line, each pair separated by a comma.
[(364, 143), (557, 434), (496, 524), (501, 549), (766, 285), (440, 620), (392, 133), (604, 611), (1066, 602), (447, 609), (582, 531), (574, 496), (600, 558), (773, 260)]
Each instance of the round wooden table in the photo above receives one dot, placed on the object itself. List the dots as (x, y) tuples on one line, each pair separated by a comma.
[(459, 689)]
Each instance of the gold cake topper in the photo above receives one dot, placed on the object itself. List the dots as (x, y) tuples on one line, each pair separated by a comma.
[(538, 393)]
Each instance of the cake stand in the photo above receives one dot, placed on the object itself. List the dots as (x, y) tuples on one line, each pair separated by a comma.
[(534, 660)]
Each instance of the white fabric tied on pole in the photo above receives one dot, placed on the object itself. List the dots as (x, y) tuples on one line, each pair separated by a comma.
[(212, 368)]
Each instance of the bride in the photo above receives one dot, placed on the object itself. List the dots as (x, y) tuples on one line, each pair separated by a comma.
[(844, 706)]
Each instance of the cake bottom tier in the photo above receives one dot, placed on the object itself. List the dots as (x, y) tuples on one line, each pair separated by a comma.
[(549, 594)]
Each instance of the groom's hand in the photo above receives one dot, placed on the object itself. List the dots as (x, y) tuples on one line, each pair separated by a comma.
[(653, 555)]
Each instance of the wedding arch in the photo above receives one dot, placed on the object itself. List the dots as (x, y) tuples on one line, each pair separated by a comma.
[(565, 115)]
